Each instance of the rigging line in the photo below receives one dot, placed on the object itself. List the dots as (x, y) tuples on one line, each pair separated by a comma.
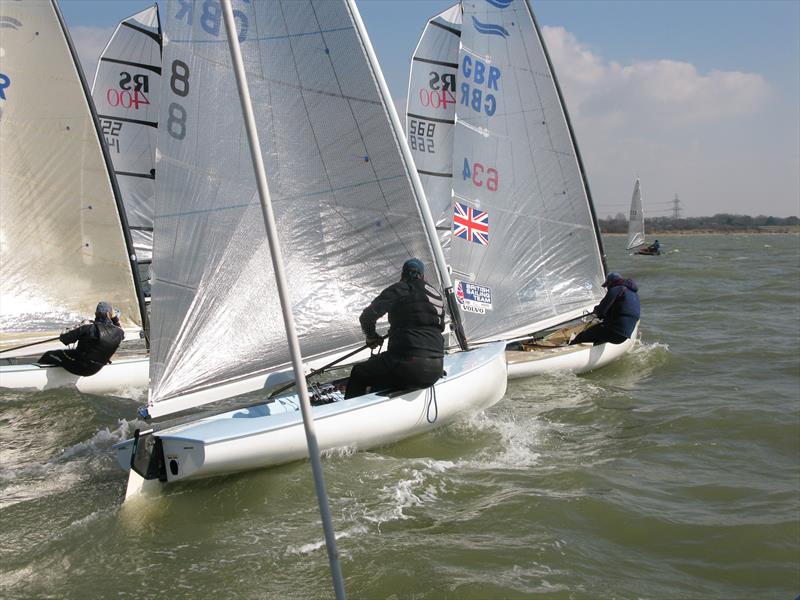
[(452, 30), (146, 32), (156, 70)]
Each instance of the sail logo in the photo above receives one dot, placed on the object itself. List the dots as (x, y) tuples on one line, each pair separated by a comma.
[(5, 82), (473, 298), (7, 22), (500, 3), (489, 28), (478, 81), (470, 224)]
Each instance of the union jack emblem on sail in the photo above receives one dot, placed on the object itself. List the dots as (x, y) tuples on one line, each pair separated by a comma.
[(470, 224)]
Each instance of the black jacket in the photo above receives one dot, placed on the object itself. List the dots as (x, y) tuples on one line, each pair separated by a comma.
[(619, 309), (416, 318), (97, 342)]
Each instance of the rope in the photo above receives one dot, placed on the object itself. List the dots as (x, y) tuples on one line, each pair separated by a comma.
[(431, 402)]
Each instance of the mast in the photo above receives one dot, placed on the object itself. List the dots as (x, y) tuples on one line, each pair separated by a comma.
[(572, 137), (419, 193), (283, 293), (112, 177)]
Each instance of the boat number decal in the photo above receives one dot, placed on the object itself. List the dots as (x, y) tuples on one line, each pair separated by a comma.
[(473, 298), (111, 131), (480, 175), (5, 82), (420, 135), (211, 17), (440, 92), (179, 84), (478, 81)]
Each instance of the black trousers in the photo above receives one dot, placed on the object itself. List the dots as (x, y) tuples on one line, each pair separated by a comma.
[(384, 371), (598, 334), (69, 360)]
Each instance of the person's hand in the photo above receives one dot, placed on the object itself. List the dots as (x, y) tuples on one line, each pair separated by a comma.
[(374, 341)]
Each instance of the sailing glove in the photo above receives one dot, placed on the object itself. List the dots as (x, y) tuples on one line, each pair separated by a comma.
[(374, 341)]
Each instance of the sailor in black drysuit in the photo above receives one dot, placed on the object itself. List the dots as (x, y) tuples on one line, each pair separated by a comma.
[(415, 356), (618, 312), (97, 343)]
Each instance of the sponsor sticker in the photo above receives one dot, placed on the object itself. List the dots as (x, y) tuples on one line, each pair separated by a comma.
[(473, 298)]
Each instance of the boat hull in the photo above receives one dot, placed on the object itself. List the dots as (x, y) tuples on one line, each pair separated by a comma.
[(120, 375), (273, 434), (580, 358)]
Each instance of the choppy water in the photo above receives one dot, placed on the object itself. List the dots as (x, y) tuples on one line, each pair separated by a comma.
[(674, 473)]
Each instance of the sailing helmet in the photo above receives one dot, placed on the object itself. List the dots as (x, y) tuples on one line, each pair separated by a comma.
[(612, 278), (413, 269), (103, 308)]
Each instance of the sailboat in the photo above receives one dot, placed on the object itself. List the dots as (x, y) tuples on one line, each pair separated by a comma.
[(125, 93), (63, 236), (496, 153), (349, 210)]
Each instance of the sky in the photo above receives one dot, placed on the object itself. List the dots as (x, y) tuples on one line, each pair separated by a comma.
[(699, 99)]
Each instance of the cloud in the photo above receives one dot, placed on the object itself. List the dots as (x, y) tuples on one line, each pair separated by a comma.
[(89, 43)]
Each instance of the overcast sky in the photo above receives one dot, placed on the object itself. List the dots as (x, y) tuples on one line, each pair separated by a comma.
[(699, 99)]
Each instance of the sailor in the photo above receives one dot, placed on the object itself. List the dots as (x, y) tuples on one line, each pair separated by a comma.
[(415, 355), (618, 312), (97, 342), (655, 247)]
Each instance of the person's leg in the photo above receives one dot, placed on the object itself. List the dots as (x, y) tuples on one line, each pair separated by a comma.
[(66, 359), (416, 373), (52, 357), (597, 334), (373, 373)]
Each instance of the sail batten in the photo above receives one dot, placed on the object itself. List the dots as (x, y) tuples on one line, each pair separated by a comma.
[(343, 201), (522, 232)]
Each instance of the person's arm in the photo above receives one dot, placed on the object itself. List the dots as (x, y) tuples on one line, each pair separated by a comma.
[(379, 307), (70, 337), (602, 309)]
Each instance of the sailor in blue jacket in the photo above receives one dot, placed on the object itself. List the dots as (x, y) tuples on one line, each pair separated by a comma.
[(618, 312)]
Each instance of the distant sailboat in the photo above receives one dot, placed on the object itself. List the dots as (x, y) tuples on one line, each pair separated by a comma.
[(125, 92), (636, 219), (349, 212), (494, 148), (63, 237)]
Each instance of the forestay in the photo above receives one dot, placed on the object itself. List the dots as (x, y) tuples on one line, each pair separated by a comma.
[(341, 193), (125, 91), (62, 242), (636, 219), (525, 246)]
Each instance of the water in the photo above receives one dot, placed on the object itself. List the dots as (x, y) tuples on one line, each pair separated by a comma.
[(674, 473)]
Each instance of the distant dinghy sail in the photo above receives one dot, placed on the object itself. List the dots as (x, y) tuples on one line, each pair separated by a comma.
[(494, 147), (636, 219), (63, 238), (125, 91)]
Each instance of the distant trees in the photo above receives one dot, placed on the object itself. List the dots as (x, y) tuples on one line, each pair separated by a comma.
[(718, 222)]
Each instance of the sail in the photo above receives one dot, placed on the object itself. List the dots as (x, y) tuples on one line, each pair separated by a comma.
[(341, 193), (525, 250), (431, 111), (125, 92), (636, 219), (62, 243)]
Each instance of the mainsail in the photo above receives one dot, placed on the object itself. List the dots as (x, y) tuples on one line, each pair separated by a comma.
[(341, 193), (62, 240), (524, 247), (125, 92), (636, 219)]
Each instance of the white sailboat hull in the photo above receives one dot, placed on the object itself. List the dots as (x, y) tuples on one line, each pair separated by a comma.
[(273, 434), (120, 375), (580, 358)]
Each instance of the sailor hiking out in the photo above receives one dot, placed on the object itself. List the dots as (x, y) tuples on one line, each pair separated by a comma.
[(415, 354), (97, 342), (618, 312)]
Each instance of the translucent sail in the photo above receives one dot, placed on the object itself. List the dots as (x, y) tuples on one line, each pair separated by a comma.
[(636, 219), (341, 192), (431, 111), (125, 92), (524, 245), (62, 244)]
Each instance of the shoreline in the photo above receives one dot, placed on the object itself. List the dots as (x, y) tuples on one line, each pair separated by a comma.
[(689, 232)]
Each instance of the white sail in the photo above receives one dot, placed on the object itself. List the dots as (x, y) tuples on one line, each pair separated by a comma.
[(525, 245), (636, 219), (125, 92), (340, 189), (62, 242)]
